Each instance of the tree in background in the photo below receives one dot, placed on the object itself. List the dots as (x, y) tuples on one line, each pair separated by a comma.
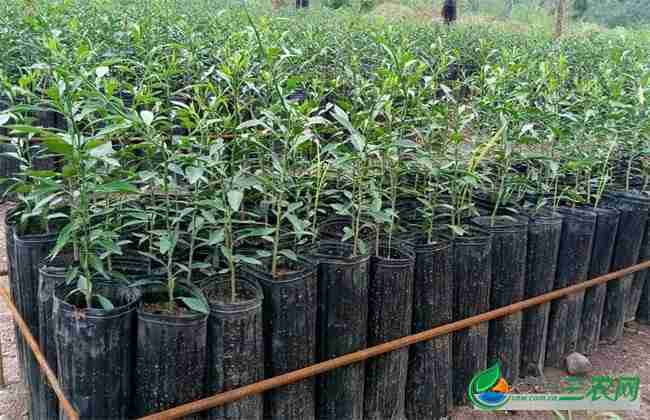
[(507, 11), (449, 11), (560, 17), (580, 8)]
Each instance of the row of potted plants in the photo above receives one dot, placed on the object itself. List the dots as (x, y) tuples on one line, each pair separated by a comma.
[(186, 165)]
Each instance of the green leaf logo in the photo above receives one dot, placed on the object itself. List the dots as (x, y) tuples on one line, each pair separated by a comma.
[(487, 379), (479, 389)]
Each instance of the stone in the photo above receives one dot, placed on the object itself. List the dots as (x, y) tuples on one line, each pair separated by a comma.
[(578, 364)]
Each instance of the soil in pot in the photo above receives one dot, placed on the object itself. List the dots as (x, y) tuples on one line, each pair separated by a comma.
[(573, 263), (235, 346), (332, 229), (96, 350), (390, 299), (631, 226), (472, 278), (544, 231), (601, 261), (289, 316), (509, 250), (429, 378), (342, 325), (170, 351)]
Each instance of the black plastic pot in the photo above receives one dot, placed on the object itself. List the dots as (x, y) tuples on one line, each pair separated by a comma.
[(289, 315), (643, 309), (342, 324), (544, 232), (46, 118), (28, 253), (573, 263), (170, 355), (96, 352), (390, 300), (472, 278), (509, 249), (9, 166), (638, 280), (601, 261), (429, 379), (236, 350), (52, 275), (10, 228), (634, 215)]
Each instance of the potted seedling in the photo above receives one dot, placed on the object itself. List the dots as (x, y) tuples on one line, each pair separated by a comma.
[(235, 301), (107, 306), (343, 280), (172, 320), (509, 245)]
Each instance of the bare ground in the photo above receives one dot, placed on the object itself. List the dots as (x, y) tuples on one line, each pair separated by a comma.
[(629, 356)]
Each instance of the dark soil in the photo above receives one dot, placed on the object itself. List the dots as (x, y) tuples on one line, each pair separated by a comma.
[(163, 308), (284, 271), (221, 293)]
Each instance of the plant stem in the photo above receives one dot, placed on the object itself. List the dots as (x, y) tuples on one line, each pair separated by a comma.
[(276, 236)]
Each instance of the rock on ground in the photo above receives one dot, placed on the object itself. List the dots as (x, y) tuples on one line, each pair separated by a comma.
[(578, 364)]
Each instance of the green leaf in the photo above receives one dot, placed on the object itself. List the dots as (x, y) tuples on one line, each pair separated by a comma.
[(295, 222), (194, 174), (255, 233), (249, 260), (102, 150), (226, 252), (83, 283), (101, 71), (358, 142), (251, 123), (147, 117), (117, 187), (195, 304), (348, 233), (141, 283), (106, 304), (289, 254), (166, 243), (216, 237), (113, 128), (343, 119), (63, 238), (41, 173), (486, 379), (4, 118), (59, 146), (235, 198)]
